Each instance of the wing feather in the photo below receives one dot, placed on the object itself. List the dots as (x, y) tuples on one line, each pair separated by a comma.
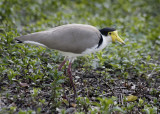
[(75, 38)]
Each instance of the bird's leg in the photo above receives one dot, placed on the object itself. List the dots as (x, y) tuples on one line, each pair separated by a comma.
[(60, 67), (71, 80)]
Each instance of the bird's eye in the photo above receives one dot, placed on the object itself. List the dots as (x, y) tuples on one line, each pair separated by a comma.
[(109, 33)]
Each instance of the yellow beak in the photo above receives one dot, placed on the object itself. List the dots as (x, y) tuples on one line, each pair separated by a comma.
[(115, 37)]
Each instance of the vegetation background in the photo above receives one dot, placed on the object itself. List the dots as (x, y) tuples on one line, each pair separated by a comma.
[(119, 79)]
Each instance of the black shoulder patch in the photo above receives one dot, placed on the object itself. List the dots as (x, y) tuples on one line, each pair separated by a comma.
[(100, 41), (18, 41)]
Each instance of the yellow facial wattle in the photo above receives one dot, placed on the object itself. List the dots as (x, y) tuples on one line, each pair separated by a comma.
[(115, 37)]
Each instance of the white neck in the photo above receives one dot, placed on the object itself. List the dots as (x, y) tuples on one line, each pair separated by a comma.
[(106, 41), (107, 38)]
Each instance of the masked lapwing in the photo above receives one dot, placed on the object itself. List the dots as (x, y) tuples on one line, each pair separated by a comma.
[(72, 40)]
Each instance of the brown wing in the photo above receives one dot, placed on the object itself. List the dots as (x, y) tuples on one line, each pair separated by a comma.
[(74, 38)]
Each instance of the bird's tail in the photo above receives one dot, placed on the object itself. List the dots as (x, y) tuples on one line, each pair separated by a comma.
[(27, 40), (18, 41)]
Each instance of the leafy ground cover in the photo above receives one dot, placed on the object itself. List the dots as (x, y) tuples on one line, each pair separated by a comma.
[(119, 79)]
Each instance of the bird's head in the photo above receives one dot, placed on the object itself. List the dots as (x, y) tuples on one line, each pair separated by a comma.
[(111, 32)]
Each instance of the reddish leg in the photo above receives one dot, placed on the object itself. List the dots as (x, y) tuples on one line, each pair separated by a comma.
[(60, 67), (71, 80)]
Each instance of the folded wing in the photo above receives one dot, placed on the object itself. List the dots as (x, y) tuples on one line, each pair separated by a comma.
[(75, 38)]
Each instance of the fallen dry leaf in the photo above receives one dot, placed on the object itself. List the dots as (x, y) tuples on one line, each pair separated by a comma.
[(131, 98), (23, 84), (73, 105)]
